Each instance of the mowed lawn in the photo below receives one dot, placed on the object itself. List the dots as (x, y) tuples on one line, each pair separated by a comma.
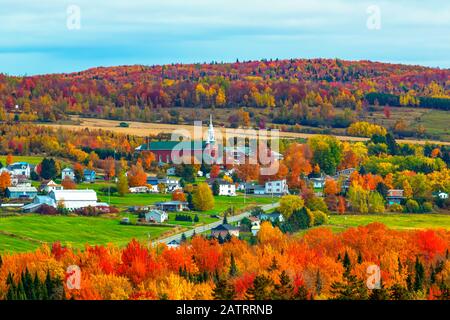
[(30, 159), (72, 231)]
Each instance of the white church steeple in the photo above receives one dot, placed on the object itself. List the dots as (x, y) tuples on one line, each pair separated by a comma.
[(211, 138)]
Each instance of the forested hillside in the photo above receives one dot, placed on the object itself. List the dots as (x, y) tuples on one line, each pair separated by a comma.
[(308, 92)]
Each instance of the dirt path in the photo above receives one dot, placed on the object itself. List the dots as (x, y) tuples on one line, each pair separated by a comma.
[(143, 129)]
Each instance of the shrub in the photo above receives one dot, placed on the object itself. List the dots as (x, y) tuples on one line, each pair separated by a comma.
[(412, 206), (317, 204), (396, 208), (320, 218), (427, 207)]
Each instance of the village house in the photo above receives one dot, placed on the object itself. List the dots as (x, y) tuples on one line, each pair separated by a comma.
[(18, 169), (22, 192), (49, 185), (143, 189), (226, 188), (173, 206), (278, 187), (255, 225), (395, 196), (170, 183), (156, 216), (173, 244), (68, 172), (89, 175), (224, 230), (273, 217)]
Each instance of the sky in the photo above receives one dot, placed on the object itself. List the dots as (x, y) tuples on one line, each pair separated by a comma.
[(56, 36)]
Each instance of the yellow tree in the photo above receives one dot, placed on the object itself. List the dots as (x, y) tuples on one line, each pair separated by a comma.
[(203, 198), (289, 204)]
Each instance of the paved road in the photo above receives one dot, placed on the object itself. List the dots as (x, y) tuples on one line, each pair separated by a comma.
[(207, 227)]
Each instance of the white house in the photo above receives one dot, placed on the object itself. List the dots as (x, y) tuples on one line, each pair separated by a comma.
[(275, 216), (226, 188), (276, 187), (74, 199), (157, 216), (18, 169), (68, 172), (143, 189), (49, 186)]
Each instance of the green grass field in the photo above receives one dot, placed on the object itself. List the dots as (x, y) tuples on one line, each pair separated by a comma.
[(222, 203), (394, 221), (338, 223), (30, 159), (72, 231)]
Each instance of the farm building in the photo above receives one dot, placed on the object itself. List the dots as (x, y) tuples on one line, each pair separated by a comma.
[(18, 169), (75, 199), (22, 192)]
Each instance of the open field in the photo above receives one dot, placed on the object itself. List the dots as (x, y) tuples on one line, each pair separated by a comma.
[(143, 129), (221, 202), (338, 223), (30, 159), (73, 231)]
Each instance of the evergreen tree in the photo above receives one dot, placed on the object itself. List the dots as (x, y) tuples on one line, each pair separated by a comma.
[(319, 283), (223, 290), (183, 238), (261, 289), (284, 290), (216, 188), (233, 268), (379, 294), (419, 275), (274, 265)]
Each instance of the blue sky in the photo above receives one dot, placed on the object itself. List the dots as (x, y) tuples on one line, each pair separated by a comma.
[(35, 39)]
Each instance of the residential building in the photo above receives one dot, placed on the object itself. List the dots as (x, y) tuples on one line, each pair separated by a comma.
[(22, 192), (68, 172), (156, 216), (395, 196), (143, 189), (173, 244), (224, 230), (273, 217), (226, 188), (278, 187), (177, 206), (89, 175), (19, 169), (49, 185)]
